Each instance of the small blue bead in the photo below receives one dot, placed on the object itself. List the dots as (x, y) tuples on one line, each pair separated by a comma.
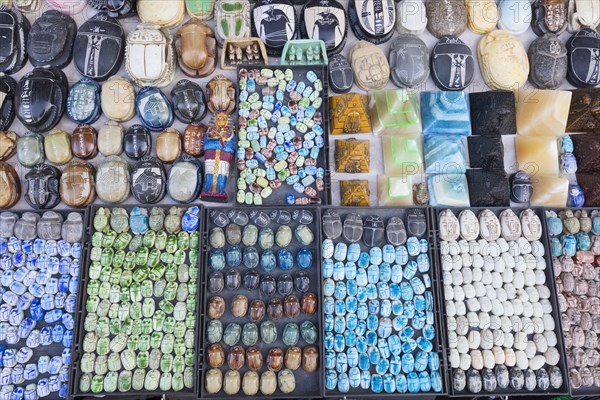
[(376, 383)]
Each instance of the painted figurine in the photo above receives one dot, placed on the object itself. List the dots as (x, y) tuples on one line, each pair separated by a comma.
[(219, 140)]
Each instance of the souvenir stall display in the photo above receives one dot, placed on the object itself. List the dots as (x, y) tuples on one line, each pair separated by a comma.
[(262, 303), (138, 327), (41, 256)]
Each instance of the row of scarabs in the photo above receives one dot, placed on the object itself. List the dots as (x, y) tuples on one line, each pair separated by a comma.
[(40, 259), (262, 323), (140, 301)]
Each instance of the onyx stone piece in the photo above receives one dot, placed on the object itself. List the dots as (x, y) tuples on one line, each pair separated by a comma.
[(493, 113), (274, 21), (50, 41), (520, 187), (549, 16), (14, 31), (148, 180), (83, 102), (137, 142), (40, 99), (452, 64), (42, 185), (583, 111), (189, 101), (584, 58), (372, 20), (409, 61), (586, 149), (548, 62), (325, 20), (99, 56), (114, 8), (8, 87), (341, 77), (154, 109), (590, 184), (488, 188), (486, 152)]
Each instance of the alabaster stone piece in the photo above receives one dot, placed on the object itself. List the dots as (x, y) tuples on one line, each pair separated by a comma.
[(110, 139), (201, 9), (30, 149), (57, 145), (42, 187), (514, 16), (488, 188), (84, 142), (409, 61), (50, 40), (349, 113), (549, 16), (493, 113), (445, 113), (112, 180), (590, 184), (168, 145), (304, 52), (352, 156), (72, 228), (482, 15), (503, 61), (7, 224), (372, 20), (452, 64), (486, 152), (197, 48), (8, 144), (243, 51), (548, 62), (370, 66), (233, 19), (14, 46), (10, 185), (446, 17), (8, 87), (150, 54), (275, 22), (549, 191), (448, 190), (586, 149), (118, 99), (185, 179), (395, 191), (402, 154), (193, 137), (325, 20), (168, 14), (583, 69), (395, 112), (355, 193), (583, 14), (537, 154), (411, 16), (189, 102), (444, 154), (542, 112), (77, 186), (583, 115)]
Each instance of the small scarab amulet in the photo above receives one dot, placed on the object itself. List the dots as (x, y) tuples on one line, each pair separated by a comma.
[(185, 179), (275, 359), (216, 307), (77, 187), (196, 48), (118, 99), (84, 142), (83, 102), (168, 145), (236, 357), (149, 56), (275, 309), (148, 180), (549, 16), (42, 187), (216, 355), (8, 87), (257, 310), (51, 40), (14, 44), (114, 8), (193, 139), (10, 185), (137, 142), (189, 102), (154, 109), (254, 358), (239, 306)]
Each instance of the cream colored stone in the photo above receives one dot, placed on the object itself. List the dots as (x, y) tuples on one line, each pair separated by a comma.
[(538, 155), (167, 13), (118, 99), (542, 112), (549, 191), (110, 139), (503, 61), (476, 359), (250, 383), (370, 65), (482, 15)]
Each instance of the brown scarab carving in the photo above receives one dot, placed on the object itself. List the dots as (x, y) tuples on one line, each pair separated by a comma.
[(216, 307), (196, 48), (193, 137), (236, 357), (84, 142), (275, 359), (254, 358), (216, 355)]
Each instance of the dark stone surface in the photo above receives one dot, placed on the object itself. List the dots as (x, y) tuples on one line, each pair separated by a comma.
[(549, 16), (584, 113), (590, 184), (325, 20), (586, 149), (13, 46), (274, 21), (83, 102), (42, 187), (452, 64), (409, 61), (486, 152), (520, 188), (8, 87), (154, 109), (488, 188), (370, 25), (548, 62), (446, 17), (148, 180), (137, 142), (189, 101), (50, 41), (341, 77), (493, 113), (584, 58), (114, 8)]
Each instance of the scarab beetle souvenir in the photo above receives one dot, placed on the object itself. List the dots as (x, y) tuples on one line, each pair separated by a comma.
[(150, 56), (83, 102), (201, 9), (30, 149), (8, 86), (446, 17), (77, 187), (196, 48), (274, 21), (452, 64), (514, 16), (233, 19), (42, 187), (583, 14), (50, 41), (549, 16), (154, 109), (325, 20), (503, 60), (185, 179), (10, 186), (166, 14), (584, 63), (520, 187), (373, 231), (118, 99), (57, 145), (15, 31), (189, 102), (193, 139), (84, 142), (137, 142), (99, 56), (411, 17), (373, 21), (341, 77), (409, 61), (449, 226), (148, 180), (370, 66), (168, 145), (8, 144), (41, 97), (114, 8), (110, 139), (112, 180), (548, 62)]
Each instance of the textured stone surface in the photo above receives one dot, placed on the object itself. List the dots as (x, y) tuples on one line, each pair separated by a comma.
[(488, 188), (548, 62), (503, 60), (486, 153), (493, 113)]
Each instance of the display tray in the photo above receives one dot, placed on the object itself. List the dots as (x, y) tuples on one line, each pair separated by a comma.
[(308, 384), (74, 389), (279, 195), (439, 341), (562, 365), (55, 349)]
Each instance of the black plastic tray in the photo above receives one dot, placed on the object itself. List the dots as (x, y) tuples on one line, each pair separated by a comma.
[(55, 349), (440, 342), (278, 197), (77, 351), (565, 389), (308, 385)]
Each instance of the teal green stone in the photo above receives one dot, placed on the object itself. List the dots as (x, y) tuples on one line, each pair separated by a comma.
[(144, 342), (232, 334), (309, 332), (169, 325), (161, 241), (214, 331), (268, 332), (136, 243), (250, 334), (291, 334), (178, 364), (149, 239)]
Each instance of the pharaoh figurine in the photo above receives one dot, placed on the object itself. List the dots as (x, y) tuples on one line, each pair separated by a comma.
[(219, 139)]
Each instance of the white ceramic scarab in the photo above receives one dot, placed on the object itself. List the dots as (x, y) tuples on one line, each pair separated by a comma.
[(489, 225), (149, 56), (531, 225), (583, 14), (449, 226), (469, 226), (510, 225)]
